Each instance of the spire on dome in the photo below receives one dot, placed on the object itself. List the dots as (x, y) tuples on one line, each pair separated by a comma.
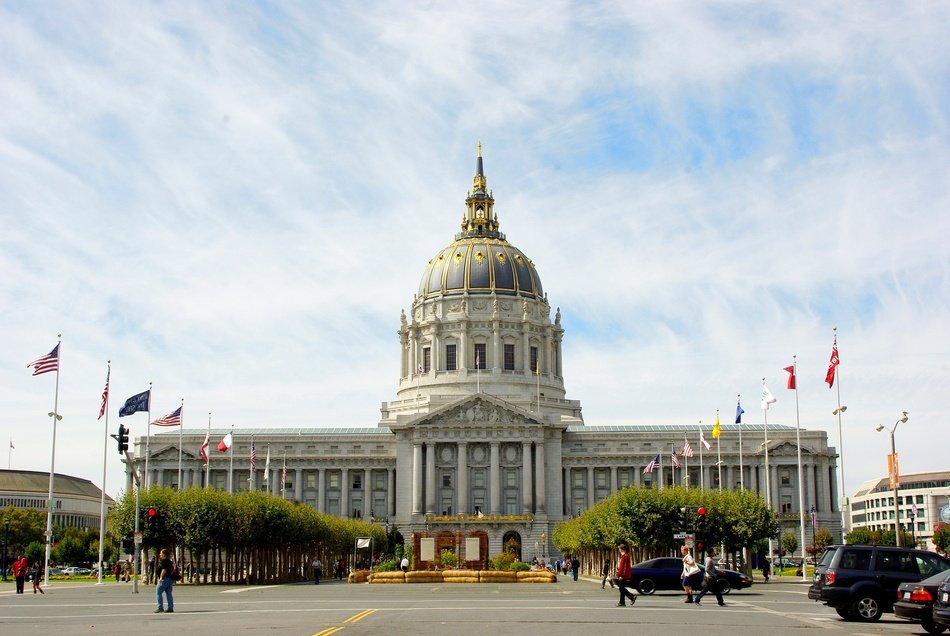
[(480, 219)]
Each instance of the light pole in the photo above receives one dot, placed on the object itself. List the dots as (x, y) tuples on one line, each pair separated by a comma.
[(895, 476), (814, 529), (843, 501)]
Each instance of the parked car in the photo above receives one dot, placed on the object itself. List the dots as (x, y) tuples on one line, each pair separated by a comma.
[(860, 581), (785, 562), (76, 571), (941, 609), (664, 574), (915, 601)]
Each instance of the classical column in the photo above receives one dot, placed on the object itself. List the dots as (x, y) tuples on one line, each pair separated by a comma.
[(321, 490), (527, 503), (345, 493), (826, 487), (590, 487), (367, 493), (298, 484), (614, 484), (495, 347), (526, 349), (539, 476), (461, 481), (462, 352), (495, 479), (416, 479), (390, 491), (774, 486), (430, 478)]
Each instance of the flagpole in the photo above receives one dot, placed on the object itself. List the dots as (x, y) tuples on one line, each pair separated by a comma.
[(538, 373), (208, 453), (719, 453), (801, 487), (10, 452), (181, 425), (266, 481), (102, 497), (660, 465), (252, 470), (765, 445), (842, 496), (739, 422), (148, 431), (686, 460), (231, 464), (702, 469), (52, 465), (283, 477)]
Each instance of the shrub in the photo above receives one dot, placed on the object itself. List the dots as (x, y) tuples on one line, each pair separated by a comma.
[(448, 559), (520, 566), (388, 566), (504, 561)]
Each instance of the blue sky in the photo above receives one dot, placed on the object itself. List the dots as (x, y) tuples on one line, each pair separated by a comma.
[(235, 201)]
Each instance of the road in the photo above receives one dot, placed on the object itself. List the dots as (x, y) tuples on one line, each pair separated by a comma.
[(566, 608)]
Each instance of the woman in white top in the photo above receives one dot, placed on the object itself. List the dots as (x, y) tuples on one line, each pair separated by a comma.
[(690, 569)]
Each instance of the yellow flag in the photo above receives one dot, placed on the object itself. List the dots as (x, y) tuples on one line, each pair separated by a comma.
[(716, 429)]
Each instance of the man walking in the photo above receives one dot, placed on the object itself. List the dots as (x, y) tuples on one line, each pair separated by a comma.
[(20, 567), (710, 579), (625, 576)]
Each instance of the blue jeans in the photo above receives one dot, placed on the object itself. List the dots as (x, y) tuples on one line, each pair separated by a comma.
[(165, 585)]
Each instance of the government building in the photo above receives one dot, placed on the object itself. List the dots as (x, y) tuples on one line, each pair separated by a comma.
[(923, 505), (481, 438)]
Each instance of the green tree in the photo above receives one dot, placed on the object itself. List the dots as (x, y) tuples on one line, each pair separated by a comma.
[(26, 526), (861, 536), (70, 551), (789, 542), (941, 538), (36, 552)]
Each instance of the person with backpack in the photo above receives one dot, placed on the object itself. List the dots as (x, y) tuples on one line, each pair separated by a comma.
[(710, 579), (167, 575)]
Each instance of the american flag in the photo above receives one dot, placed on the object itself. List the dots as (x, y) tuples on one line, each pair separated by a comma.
[(172, 419), (653, 464), (49, 362), (105, 395), (253, 457), (283, 475), (687, 449), (674, 458)]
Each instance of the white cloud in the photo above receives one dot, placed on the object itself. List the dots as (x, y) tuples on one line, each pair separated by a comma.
[(235, 204)]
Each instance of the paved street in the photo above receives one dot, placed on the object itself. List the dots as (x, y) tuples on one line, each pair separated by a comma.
[(566, 608)]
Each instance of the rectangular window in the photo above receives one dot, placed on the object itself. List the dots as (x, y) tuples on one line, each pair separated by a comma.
[(511, 505), (478, 478), (785, 477), (310, 479), (786, 503), (446, 505), (511, 478), (357, 480), (446, 480), (478, 502), (480, 356), (601, 477), (578, 478), (333, 506), (379, 480), (534, 359), (509, 357), (450, 363), (333, 481), (855, 559), (623, 477), (426, 359)]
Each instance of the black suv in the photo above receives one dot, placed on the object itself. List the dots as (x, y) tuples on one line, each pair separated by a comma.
[(861, 581)]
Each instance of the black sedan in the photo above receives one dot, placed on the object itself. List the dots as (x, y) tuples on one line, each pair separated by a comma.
[(664, 574), (915, 601), (941, 610)]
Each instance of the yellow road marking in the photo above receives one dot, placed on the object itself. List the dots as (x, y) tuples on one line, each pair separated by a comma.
[(360, 616), (329, 630)]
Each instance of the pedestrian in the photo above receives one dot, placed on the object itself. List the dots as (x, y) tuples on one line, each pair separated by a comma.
[(36, 578), (710, 579), (317, 570), (404, 564), (575, 566), (766, 569), (605, 570), (20, 567), (624, 577), (690, 571), (167, 571), (117, 570)]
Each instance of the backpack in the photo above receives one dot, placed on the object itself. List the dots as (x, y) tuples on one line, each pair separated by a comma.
[(173, 572)]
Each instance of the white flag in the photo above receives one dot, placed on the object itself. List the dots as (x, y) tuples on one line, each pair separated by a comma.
[(267, 465), (767, 397), (362, 543), (702, 440)]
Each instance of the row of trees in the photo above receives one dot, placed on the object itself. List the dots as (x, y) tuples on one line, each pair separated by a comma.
[(71, 546), (647, 519), (251, 537)]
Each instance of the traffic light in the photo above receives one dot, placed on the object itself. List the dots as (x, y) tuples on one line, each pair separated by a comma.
[(123, 439), (151, 517), (701, 518)]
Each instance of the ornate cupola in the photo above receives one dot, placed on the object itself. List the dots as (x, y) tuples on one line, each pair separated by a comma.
[(480, 219)]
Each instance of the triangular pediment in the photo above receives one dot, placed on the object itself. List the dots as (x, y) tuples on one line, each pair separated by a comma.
[(787, 448), (171, 452), (478, 410)]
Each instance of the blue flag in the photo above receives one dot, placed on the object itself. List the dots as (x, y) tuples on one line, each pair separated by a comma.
[(739, 413), (135, 403)]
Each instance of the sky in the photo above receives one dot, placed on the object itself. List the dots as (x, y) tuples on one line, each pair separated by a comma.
[(234, 202)]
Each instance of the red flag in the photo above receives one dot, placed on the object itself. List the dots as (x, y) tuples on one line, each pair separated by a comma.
[(791, 377), (204, 446), (833, 364), (225, 443)]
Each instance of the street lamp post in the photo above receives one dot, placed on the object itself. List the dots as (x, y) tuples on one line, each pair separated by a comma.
[(814, 530), (895, 477)]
